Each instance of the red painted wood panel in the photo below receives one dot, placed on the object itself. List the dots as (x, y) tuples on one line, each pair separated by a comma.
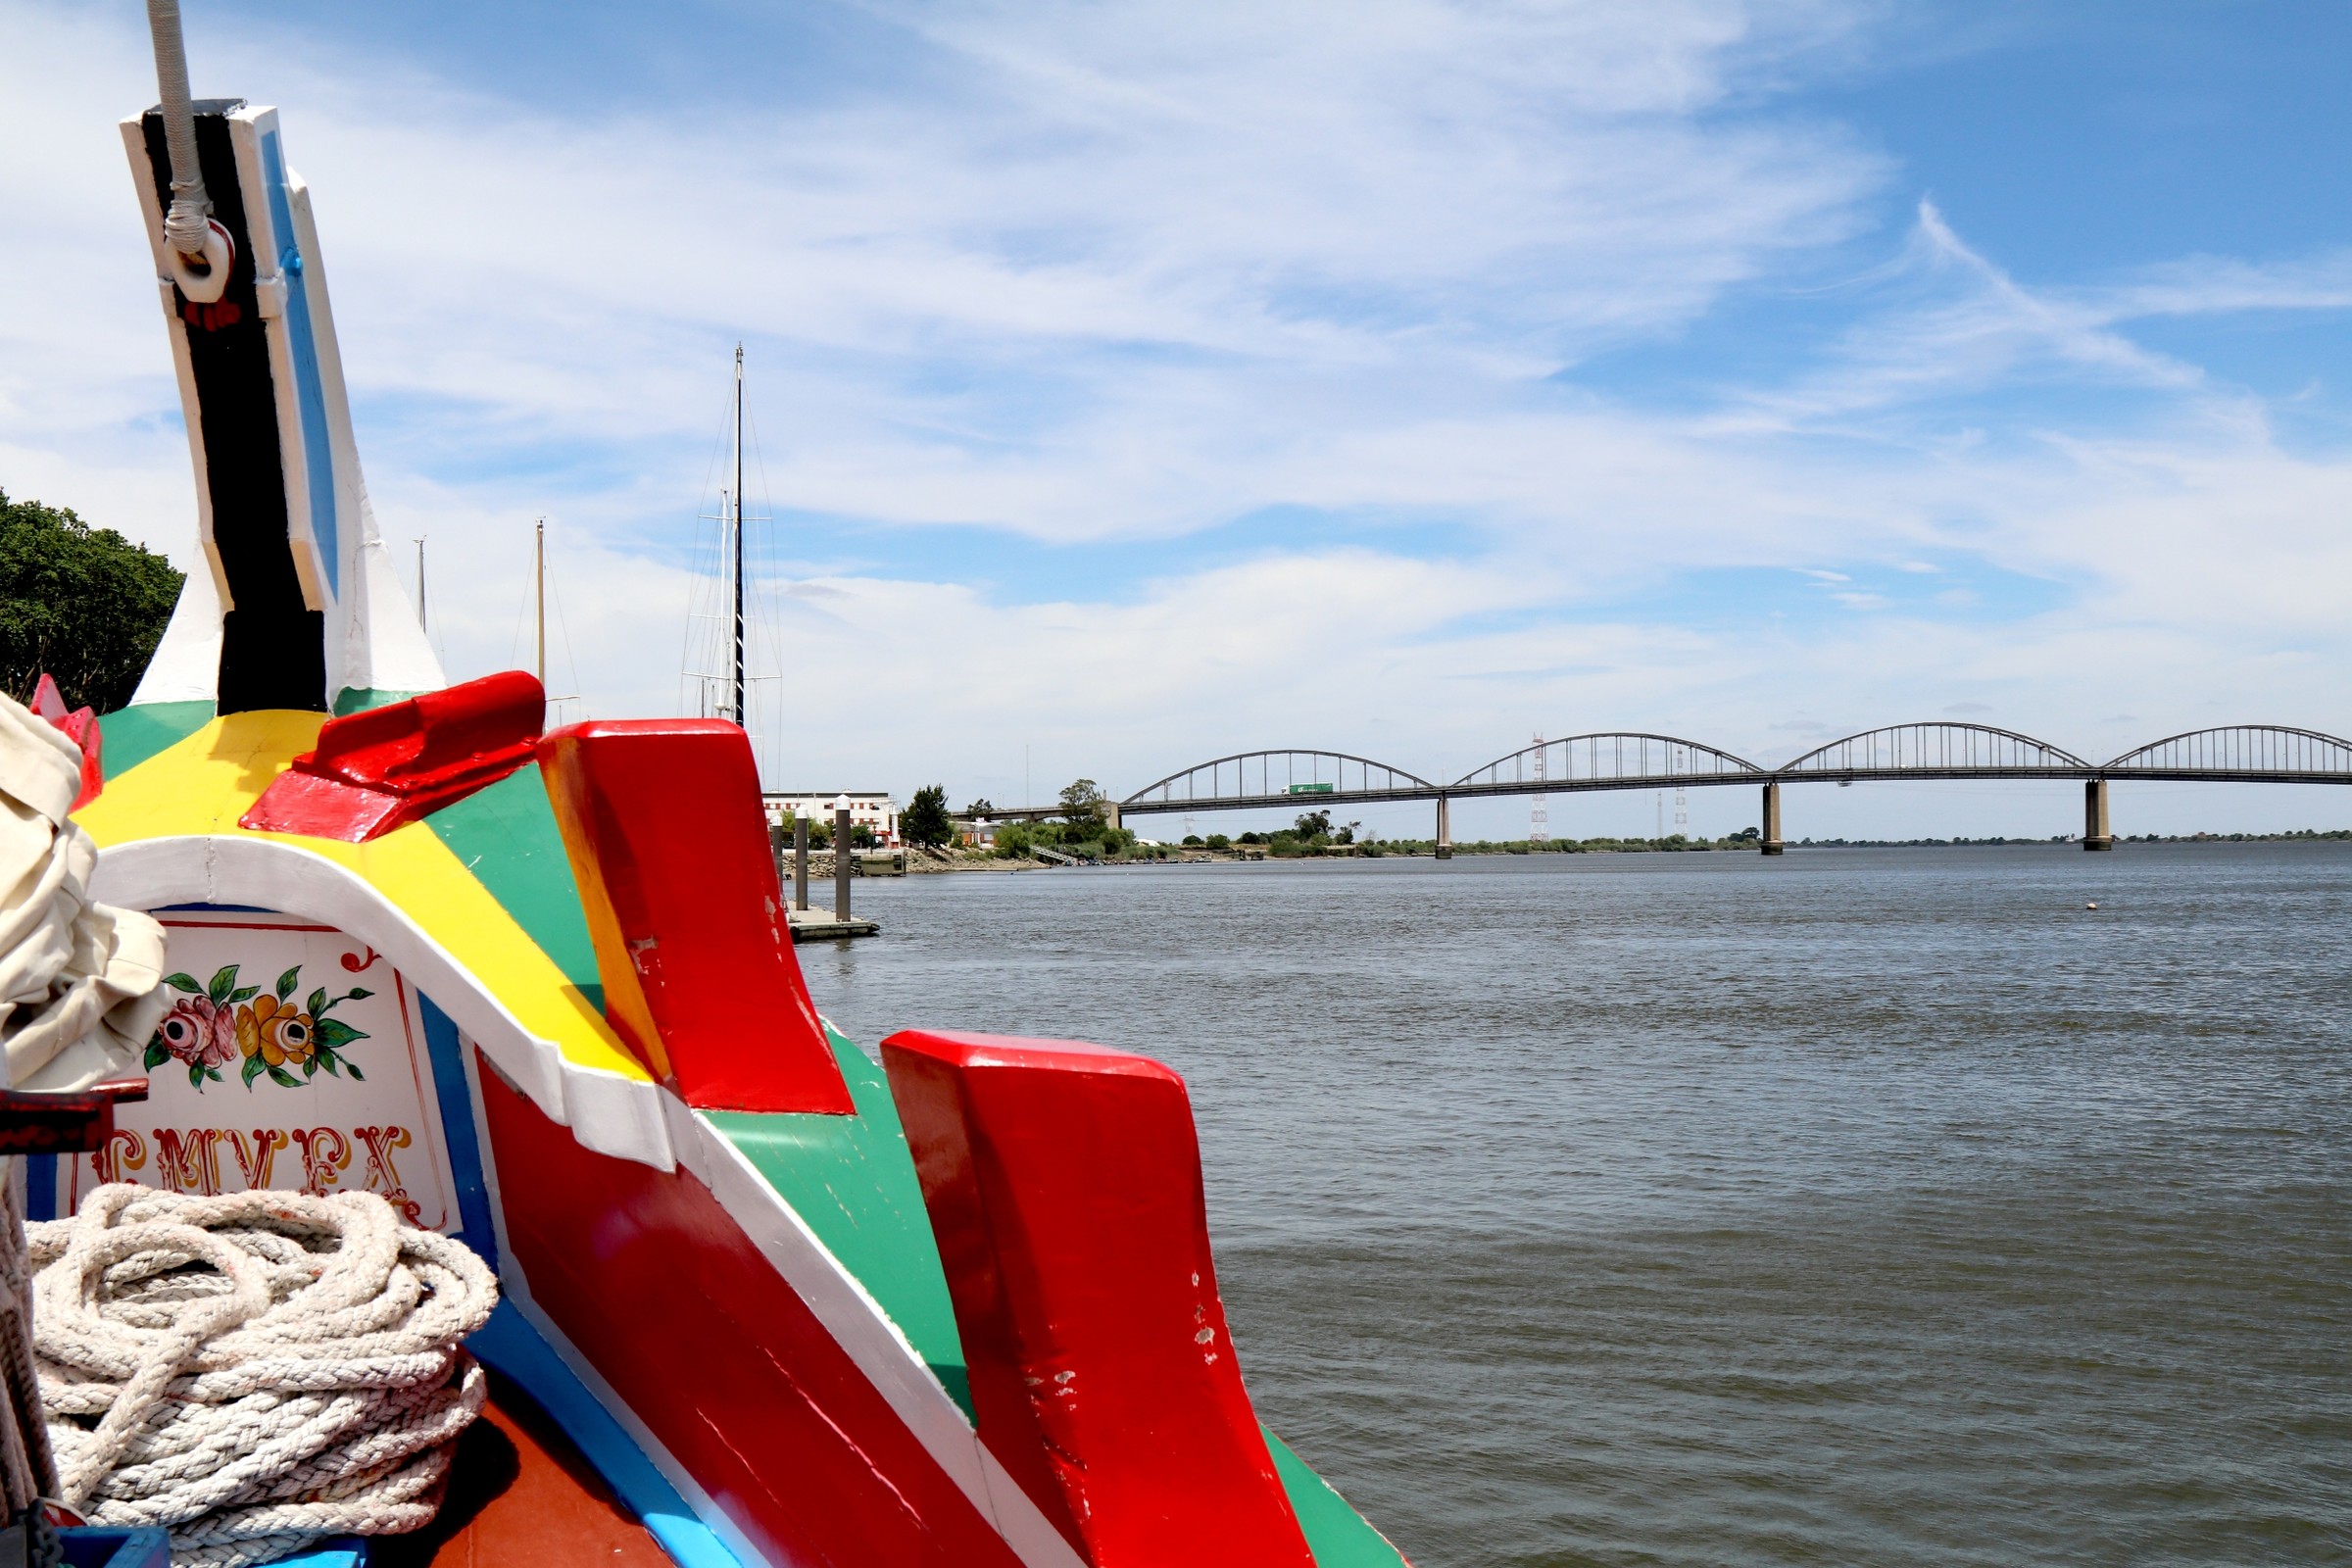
[(659, 1289), (667, 842), (1064, 1181), (382, 768)]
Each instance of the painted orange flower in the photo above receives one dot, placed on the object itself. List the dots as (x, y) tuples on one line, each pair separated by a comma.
[(274, 1031)]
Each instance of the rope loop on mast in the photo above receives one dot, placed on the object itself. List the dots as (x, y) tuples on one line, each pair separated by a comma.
[(201, 250)]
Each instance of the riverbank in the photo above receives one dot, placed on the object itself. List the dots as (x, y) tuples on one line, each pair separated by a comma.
[(920, 862)]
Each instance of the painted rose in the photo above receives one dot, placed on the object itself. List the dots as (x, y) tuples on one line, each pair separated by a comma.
[(197, 1032), (276, 1032)]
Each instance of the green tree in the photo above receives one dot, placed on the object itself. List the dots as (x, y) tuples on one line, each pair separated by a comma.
[(1082, 803), (1314, 825), (925, 819), (83, 603)]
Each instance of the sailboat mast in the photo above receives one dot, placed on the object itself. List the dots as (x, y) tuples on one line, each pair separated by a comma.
[(421, 624), (735, 667), (539, 595)]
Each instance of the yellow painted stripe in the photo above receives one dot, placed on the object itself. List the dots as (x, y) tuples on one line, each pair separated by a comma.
[(201, 785)]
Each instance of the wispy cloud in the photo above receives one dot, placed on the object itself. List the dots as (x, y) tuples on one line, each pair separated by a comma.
[(1083, 275)]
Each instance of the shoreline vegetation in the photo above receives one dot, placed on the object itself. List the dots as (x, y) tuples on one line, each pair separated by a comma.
[(1084, 836), (1099, 844)]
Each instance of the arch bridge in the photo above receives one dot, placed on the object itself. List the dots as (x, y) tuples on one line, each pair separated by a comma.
[(1631, 759)]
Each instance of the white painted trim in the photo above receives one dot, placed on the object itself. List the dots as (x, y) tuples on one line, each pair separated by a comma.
[(183, 372), (246, 128), (606, 1111), (379, 643), (186, 664), (859, 1326)]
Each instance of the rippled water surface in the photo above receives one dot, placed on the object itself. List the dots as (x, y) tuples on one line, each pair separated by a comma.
[(1863, 1207)]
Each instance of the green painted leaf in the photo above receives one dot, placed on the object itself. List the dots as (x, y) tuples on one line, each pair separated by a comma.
[(357, 993), (354, 1068), (329, 1060), (213, 1073), (243, 994), (317, 1004), (288, 981), (252, 1070), (282, 1077), (184, 982), (334, 1034), (156, 1055), (195, 1075), (222, 984)]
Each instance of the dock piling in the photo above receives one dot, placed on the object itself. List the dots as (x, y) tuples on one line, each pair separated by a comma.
[(799, 861), (842, 858)]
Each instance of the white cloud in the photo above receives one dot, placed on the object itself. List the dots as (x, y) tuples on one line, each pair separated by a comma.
[(1124, 272)]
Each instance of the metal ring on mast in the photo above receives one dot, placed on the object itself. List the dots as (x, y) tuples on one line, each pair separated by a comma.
[(201, 250)]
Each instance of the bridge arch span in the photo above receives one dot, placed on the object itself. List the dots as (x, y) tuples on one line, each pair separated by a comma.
[(1278, 777), (2254, 752), (1609, 759), (1937, 749)]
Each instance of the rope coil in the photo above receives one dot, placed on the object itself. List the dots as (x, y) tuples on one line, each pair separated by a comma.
[(254, 1371)]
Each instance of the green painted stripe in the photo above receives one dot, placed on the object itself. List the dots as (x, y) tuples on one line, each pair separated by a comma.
[(359, 699), (852, 1180), (505, 835), (1336, 1532), (130, 736)]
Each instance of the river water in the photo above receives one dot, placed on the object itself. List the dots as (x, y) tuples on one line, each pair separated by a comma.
[(1856, 1207)]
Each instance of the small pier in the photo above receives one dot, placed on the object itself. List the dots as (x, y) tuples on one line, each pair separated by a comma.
[(809, 922), (819, 925)]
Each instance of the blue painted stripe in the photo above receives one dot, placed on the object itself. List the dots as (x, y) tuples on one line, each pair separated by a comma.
[(444, 1049), (40, 1187), (510, 1343), (309, 388)]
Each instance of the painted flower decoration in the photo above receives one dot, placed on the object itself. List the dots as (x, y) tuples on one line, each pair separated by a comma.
[(198, 1033), (217, 1022), (279, 1033)]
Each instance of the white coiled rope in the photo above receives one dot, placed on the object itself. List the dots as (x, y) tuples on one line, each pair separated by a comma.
[(254, 1371)]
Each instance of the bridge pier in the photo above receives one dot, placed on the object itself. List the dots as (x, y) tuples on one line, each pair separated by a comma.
[(1772, 843), (2097, 834), (1445, 830), (1110, 812)]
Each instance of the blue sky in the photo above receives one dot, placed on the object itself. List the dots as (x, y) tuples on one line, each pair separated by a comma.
[(1140, 383)]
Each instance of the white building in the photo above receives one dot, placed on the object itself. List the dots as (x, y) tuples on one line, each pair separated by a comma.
[(870, 808)]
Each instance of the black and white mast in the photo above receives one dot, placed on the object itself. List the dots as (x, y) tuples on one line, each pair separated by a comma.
[(735, 663)]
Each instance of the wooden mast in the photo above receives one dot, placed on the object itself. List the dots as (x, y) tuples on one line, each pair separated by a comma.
[(539, 595)]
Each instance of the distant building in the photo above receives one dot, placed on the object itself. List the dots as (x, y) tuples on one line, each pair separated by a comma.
[(869, 808)]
